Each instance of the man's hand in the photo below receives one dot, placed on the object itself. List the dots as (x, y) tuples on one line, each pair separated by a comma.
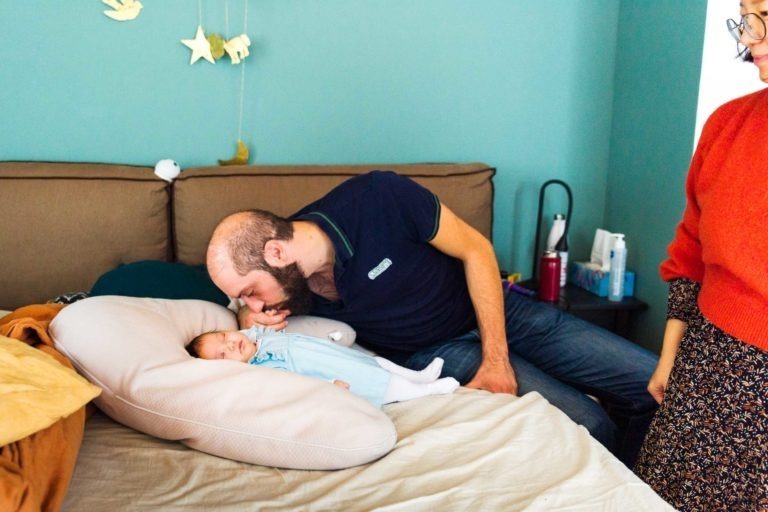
[(495, 377), (273, 318)]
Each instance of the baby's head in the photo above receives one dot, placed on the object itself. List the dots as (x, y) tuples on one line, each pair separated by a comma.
[(222, 345)]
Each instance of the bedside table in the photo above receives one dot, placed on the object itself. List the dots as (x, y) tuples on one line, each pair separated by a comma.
[(600, 311)]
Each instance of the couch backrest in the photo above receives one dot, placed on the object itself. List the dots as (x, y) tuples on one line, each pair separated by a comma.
[(62, 225), (465, 188)]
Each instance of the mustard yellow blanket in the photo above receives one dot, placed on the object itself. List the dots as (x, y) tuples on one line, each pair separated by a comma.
[(35, 471)]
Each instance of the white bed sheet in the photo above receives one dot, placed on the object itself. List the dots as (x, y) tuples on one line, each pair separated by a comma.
[(467, 451)]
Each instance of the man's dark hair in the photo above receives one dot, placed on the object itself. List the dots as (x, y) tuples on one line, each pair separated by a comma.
[(246, 244)]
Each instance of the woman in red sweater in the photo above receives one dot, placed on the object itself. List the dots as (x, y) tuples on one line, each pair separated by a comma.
[(707, 448)]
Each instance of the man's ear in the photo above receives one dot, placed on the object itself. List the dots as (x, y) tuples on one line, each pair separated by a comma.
[(275, 253)]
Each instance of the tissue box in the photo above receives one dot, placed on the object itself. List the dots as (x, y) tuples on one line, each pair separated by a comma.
[(596, 281)]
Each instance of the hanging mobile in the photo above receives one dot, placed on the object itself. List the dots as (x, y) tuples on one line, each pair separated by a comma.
[(242, 156), (123, 10), (200, 46)]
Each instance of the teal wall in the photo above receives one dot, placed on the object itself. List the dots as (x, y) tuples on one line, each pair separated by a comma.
[(654, 115), (524, 86)]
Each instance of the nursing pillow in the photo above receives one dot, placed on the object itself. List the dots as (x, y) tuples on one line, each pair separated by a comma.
[(133, 349), (174, 280)]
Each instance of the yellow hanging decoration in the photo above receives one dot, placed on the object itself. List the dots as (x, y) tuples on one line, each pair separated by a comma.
[(217, 45), (240, 158), (237, 49)]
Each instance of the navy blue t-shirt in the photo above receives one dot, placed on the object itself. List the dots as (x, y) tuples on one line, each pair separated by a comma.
[(397, 291)]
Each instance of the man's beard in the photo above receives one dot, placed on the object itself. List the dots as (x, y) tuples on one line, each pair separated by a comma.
[(294, 284)]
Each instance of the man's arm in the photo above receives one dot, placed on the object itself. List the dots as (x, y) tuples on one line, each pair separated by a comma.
[(458, 239)]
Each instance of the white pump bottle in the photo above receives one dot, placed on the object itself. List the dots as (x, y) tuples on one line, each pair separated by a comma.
[(618, 268)]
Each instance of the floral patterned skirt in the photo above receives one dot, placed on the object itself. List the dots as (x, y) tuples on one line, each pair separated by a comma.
[(707, 447)]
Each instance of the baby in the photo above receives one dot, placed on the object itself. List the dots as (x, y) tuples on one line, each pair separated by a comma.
[(376, 379)]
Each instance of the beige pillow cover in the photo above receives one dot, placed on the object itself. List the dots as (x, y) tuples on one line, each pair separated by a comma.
[(133, 348), (36, 390)]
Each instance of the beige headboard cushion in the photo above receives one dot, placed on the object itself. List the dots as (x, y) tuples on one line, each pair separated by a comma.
[(205, 195), (63, 225)]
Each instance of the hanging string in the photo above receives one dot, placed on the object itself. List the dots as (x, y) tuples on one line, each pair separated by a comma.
[(200, 12), (242, 94), (242, 75), (226, 19)]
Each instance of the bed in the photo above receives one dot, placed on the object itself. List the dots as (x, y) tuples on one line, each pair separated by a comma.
[(71, 223)]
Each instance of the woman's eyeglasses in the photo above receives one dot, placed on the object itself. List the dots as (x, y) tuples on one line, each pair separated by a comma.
[(750, 23)]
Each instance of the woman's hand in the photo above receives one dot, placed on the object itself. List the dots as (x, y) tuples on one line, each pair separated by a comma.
[(657, 386), (273, 318), (673, 334)]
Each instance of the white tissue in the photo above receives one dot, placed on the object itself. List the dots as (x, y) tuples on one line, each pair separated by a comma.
[(600, 258)]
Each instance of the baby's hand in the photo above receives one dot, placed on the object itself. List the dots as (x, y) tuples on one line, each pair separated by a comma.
[(341, 383)]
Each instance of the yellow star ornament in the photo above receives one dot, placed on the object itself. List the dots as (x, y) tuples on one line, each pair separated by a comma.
[(200, 47)]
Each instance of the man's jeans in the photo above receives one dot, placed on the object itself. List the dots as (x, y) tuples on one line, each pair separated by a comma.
[(565, 358)]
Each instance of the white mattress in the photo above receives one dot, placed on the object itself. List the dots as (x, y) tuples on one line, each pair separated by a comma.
[(468, 451)]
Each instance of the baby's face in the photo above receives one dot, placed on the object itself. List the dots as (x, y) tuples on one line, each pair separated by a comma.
[(226, 345)]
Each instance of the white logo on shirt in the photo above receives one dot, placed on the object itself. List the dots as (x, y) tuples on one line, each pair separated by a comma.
[(379, 269)]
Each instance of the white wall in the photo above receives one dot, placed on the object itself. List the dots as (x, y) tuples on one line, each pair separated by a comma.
[(722, 76)]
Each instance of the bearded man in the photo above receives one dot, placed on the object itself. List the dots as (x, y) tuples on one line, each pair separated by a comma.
[(384, 255)]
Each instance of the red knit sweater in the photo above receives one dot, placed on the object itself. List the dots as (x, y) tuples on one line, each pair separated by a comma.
[(722, 240)]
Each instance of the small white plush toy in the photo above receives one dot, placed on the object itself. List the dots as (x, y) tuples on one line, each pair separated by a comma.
[(167, 169)]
